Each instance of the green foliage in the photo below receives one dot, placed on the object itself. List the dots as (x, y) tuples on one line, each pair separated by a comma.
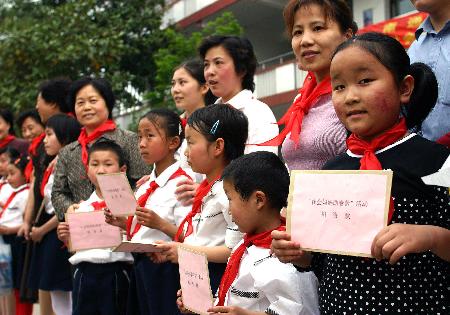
[(178, 47), (49, 38)]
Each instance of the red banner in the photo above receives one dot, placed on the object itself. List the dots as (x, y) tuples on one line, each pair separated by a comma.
[(401, 28)]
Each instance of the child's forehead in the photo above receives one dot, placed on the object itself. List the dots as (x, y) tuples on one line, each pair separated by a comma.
[(103, 155)]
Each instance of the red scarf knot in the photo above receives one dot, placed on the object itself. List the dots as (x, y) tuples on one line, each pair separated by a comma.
[(5, 141), (263, 240), (35, 144), (46, 177), (84, 139), (369, 161), (201, 192), (293, 118), (98, 205)]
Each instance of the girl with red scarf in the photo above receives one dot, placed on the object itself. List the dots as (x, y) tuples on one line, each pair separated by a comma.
[(378, 96), (312, 132), (255, 282), (7, 135)]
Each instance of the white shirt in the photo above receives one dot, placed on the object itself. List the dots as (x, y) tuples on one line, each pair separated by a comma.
[(262, 125), (100, 255), (5, 191), (181, 157), (213, 226), (48, 206), (265, 284), (162, 201), (13, 214)]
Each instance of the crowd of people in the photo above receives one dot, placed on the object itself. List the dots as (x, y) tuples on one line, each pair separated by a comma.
[(211, 179)]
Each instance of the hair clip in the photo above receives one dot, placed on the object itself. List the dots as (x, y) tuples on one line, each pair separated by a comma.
[(214, 127), (16, 161)]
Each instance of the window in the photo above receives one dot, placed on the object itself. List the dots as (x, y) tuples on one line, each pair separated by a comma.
[(399, 7)]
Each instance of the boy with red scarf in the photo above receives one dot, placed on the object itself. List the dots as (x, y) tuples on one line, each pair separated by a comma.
[(254, 279)]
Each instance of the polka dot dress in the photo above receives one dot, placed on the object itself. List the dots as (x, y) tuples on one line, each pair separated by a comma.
[(418, 283)]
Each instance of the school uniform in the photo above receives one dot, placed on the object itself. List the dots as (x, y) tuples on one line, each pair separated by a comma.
[(50, 269), (5, 190), (213, 226), (153, 286), (101, 277), (265, 284), (12, 216)]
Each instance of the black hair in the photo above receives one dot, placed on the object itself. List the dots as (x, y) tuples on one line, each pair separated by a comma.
[(391, 54), (262, 171), (66, 128), (222, 121), (100, 85), (12, 153), (8, 117), (32, 113), (168, 120), (336, 10), (110, 146), (195, 69), (19, 161), (55, 91), (241, 51)]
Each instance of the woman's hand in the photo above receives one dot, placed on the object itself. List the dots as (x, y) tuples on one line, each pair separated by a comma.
[(288, 251), (186, 191), (73, 208), (63, 232)]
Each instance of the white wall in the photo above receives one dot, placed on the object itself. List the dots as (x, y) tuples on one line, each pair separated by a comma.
[(380, 10)]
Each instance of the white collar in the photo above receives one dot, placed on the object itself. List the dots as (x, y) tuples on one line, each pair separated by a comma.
[(350, 153), (20, 187), (163, 178), (239, 100)]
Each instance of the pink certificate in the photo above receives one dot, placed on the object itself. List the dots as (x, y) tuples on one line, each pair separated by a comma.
[(194, 280), (89, 230), (338, 211), (117, 193)]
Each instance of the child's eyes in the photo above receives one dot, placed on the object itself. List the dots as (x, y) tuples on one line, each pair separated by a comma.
[(338, 87), (365, 81)]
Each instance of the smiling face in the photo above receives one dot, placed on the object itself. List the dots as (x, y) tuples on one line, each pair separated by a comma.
[(365, 95), (220, 73), (187, 92), (90, 108), (31, 129), (314, 39)]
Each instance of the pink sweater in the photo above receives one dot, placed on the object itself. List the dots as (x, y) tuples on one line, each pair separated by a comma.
[(322, 137)]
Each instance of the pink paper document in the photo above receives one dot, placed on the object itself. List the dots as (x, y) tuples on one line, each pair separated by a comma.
[(89, 230), (338, 211), (117, 193), (194, 280)]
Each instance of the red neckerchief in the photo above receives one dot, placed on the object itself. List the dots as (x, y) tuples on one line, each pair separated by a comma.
[(10, 199), (444, 140), (369, 161), (142, 200), (183, 122), (201, 192), (263, 240), (84, 139), (45, 178), (293, 118), (5, 141), (98, 205), (35, 144)]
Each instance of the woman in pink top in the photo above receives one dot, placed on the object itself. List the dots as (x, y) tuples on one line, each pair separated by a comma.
[(313, 133)]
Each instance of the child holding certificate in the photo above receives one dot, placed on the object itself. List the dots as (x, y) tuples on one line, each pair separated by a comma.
[(50, 270), (378, 96), (154, 286), (11, 217), (215, 135), (101, 277), (255, 282)]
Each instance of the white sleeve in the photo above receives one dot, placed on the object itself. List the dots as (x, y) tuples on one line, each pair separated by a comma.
[(288, 291), (232, 234)]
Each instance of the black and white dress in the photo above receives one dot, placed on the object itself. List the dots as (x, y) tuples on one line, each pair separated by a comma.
[(418, 283)]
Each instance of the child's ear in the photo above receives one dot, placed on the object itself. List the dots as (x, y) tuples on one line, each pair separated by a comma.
[(406, 89), (260, 198), (174, 143), (123, 169), (219, 147)]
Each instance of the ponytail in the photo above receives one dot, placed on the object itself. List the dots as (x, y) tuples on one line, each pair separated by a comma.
[(423, 97)]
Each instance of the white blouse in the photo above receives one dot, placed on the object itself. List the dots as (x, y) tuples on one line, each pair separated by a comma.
[(13, 215), (265, 284), (213, 226)]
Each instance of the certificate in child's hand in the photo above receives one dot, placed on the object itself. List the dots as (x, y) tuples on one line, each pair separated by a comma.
[(116, 191), (194, 280), (338, 212), (131, 247), (88, 230)]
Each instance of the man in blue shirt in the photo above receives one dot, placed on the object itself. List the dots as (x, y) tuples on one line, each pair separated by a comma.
[(432, 47)]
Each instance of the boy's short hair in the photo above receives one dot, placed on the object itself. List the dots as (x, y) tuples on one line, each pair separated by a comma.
[(262, 171), (111, 146)]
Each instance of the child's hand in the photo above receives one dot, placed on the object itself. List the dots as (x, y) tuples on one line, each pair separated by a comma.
[(181, 305), (288, 251), (157, 258), (37, 234), (113, 220), (186, 191), (148, 218), (142, 180), (24, 230), (169, 251), (4, 230), (396, 240), (63, 232), (231, 310)]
